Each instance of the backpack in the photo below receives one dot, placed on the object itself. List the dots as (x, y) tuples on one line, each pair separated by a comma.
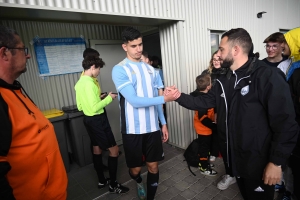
[(191, 155)]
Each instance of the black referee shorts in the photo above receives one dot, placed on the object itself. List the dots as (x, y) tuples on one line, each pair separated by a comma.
[(99, 131), (137, 145)]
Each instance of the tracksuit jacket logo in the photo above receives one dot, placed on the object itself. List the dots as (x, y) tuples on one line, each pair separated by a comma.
[(245, 90)]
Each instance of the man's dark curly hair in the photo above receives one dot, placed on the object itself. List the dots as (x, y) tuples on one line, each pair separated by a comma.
[(92, 60), (130, 34), (241, 37), (7, 37)]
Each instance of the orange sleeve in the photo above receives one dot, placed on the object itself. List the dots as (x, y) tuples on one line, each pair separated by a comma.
[(3, 159)]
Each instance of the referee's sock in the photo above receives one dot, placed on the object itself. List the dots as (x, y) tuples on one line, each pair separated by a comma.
[(112, 169), (97, 160), (137, 178), (152, 183)]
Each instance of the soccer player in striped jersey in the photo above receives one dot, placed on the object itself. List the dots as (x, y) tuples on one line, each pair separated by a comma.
[(141, 110)]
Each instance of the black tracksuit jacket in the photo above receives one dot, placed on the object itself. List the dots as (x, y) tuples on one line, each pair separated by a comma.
[(256, 119)]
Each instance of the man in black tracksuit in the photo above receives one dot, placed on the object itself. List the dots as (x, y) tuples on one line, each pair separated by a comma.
[(256, 120)]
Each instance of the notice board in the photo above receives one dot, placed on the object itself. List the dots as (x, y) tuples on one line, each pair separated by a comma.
[(57, 56)]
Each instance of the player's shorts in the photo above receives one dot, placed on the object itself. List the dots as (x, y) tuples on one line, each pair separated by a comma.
[(99, 130), (137, 145)]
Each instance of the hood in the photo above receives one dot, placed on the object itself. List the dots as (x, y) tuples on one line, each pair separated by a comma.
[(196, 93), (219, 70), (15, 86), (293, 39), (248, 68)]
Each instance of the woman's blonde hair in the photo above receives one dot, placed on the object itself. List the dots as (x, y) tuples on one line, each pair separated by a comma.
[(211, 65)]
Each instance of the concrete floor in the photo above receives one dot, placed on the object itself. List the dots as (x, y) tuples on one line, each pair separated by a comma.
[(176, 182)]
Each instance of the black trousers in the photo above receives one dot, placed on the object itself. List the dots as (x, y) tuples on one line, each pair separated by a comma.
[(204, 142), (214, 147), (226, 161), (295, 166), (255, 189)]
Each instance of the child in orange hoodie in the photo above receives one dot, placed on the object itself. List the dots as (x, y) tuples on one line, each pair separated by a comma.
[(204, 126)]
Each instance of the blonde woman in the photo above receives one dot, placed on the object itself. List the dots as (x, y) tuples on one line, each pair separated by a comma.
[(214, 69)]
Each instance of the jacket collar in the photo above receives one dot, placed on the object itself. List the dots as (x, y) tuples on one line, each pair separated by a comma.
[(197, 93), (219, 70), (247, 69), (15, 86)]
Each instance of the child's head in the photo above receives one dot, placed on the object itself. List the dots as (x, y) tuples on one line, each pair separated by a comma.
[(89, 61), (90, 52), (92, 65), (203, 82)]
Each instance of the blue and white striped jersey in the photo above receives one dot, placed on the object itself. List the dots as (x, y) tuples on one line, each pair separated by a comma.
[(140, 82)]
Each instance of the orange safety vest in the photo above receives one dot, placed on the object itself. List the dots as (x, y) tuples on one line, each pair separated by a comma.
[(37, 170)]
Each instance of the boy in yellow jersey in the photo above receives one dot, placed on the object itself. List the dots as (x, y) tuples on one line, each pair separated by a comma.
[(94, 53), (96, 122), (89, 52)]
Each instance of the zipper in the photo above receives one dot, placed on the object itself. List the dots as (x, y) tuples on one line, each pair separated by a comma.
[(237, 81), (225, 122), (235, 84)]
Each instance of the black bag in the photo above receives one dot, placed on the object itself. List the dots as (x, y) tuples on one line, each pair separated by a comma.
[(191, 155)]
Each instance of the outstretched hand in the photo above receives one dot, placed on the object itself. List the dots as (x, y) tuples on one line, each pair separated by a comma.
[(171, 93)]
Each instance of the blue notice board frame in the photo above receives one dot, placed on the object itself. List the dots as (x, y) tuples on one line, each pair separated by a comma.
[(57, 56)]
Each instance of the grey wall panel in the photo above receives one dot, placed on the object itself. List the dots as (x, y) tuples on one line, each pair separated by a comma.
[(178, 118), (55, 91), (147, 8), (185, 46)]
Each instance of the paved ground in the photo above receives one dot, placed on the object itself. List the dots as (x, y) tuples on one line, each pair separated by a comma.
[(176, 182)]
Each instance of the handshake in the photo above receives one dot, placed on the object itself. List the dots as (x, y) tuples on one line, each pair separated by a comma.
[(171, 93)]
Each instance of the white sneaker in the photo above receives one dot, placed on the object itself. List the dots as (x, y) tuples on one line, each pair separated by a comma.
[(226, 181), (212, 158)]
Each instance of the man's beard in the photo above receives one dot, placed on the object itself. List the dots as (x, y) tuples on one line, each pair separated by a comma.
[(227, 63)]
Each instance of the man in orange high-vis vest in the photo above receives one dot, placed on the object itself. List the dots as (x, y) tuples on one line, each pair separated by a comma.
[(31, 167)]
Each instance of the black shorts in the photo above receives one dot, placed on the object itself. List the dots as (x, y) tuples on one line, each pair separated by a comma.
[(99, 131), (137, 145)]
